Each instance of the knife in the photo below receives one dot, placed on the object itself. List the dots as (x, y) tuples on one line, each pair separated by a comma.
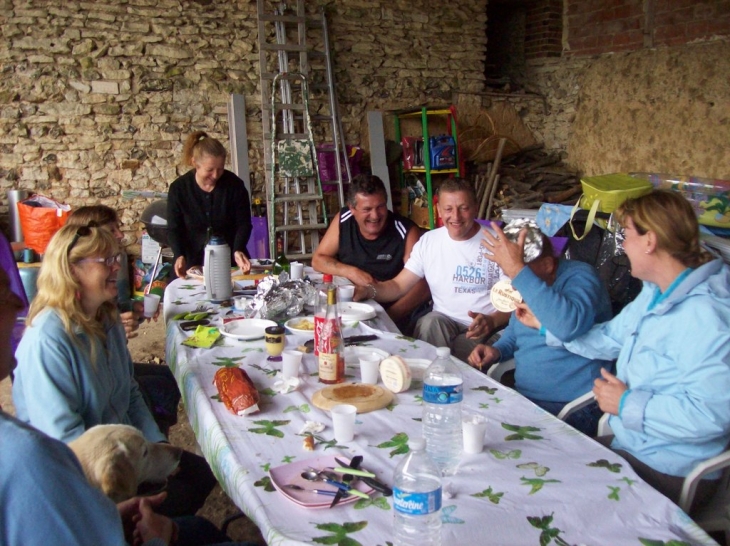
[(348, 341), (346, 478), (372, 482)]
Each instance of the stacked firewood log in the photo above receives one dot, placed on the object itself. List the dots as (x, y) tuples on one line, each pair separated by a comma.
[(524, 180)]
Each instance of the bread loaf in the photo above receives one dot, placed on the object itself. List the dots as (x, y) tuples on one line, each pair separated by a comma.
[(236, 391)]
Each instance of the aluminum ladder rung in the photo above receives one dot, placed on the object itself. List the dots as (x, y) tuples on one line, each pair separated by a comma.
[(300, 227), (297, 197), (284, 47)]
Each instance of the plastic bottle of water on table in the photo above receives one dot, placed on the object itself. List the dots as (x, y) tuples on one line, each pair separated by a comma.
[(442, 395), (417, 498)]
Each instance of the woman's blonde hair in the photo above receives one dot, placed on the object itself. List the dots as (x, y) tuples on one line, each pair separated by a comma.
[(58, 287), (98, 214), (199, 144), (671, 217)]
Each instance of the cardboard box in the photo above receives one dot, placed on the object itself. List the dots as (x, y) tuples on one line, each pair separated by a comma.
[(419, 215), (150, 248)]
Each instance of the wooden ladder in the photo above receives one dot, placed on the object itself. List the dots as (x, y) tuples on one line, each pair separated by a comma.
[(288, 63)]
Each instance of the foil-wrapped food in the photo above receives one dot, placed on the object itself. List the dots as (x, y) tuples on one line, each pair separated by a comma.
[(533, 241), (283, 297), (237, 391)]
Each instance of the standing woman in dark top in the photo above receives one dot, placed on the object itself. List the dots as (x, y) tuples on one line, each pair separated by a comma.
[(207, 199)]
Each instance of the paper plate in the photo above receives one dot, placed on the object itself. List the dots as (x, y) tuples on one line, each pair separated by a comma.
[(353, 353), (292, 324), (246, 329), (351, 311), (291, 474)]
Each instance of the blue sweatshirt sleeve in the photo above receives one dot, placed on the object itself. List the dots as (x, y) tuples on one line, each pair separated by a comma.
[(569, 307), (507, 342)]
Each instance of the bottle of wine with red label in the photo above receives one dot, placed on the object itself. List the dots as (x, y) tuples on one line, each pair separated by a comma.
[(328, 343)]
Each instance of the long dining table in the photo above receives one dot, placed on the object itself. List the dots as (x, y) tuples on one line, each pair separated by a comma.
[(537, 481)]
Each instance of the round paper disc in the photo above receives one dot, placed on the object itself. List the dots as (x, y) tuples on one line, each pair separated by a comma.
[(504, 297)]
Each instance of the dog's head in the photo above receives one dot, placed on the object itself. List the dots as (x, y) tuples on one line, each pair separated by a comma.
[(118, 458)]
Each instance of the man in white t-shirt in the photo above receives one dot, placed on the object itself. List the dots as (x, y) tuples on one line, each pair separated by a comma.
[(452, 261)]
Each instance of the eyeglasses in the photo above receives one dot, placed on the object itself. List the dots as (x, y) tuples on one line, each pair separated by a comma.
[(83, 231), (110, 261)]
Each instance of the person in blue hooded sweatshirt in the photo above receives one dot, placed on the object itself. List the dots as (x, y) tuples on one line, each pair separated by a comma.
[(669, 402), (569, 298)]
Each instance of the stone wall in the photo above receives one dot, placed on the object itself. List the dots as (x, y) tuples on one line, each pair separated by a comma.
[(97, 97), (656, 110)]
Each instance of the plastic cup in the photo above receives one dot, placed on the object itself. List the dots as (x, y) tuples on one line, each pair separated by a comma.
[(369, 369), (290, 363), (474, 427), (345, 292), (343, 421), (151, 303), (296, 270)]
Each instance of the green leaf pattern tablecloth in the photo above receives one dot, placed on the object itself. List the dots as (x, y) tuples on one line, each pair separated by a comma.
[(537, 481)]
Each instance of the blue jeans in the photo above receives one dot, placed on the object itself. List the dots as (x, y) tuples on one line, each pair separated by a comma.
[(584, 420)]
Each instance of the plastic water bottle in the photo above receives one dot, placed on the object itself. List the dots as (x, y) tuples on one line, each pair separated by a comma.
[(417, 498), (443, 388)]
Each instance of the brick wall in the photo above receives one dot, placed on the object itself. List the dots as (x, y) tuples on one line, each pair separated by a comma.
[(599, 26), (680, 22), (544, 29)]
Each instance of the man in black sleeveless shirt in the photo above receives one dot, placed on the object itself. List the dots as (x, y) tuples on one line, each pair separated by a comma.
[(366, 243)]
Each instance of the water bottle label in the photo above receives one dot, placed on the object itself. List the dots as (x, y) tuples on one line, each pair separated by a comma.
[(443, 394), (417, 504)]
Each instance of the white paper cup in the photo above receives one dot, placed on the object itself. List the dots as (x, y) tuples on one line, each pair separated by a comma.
[(345, 292), (474, 426), (343, 421), (151, 303), (290, 361), (369, 369), (296, 270)]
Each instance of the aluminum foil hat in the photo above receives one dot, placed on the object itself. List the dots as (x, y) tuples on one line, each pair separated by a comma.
[(533, 241)]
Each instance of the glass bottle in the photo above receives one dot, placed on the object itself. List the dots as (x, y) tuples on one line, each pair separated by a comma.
[(328, 337), (281, 263)]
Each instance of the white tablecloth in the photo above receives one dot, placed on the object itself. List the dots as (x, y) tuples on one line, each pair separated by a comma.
[(537, 478)]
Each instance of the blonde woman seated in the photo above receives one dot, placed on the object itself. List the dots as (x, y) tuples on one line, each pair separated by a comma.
[(670, 398), (74, 370)]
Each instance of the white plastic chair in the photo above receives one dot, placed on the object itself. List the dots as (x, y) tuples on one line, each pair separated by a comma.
[(715, 516), (574, 405), (498, 370)]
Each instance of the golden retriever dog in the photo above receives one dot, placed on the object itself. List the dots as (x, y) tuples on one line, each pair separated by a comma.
[(118, 458)]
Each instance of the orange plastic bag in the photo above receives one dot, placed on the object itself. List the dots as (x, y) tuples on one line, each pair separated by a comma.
[(41, 217)]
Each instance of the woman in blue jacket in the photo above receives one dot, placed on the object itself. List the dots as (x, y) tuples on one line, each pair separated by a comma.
[(74, 369), (670, 399)]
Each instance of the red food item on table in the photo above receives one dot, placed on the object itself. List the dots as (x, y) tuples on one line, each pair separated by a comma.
[(236, 391)]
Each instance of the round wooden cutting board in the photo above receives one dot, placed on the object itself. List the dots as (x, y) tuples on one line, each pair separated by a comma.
[(364, 397)]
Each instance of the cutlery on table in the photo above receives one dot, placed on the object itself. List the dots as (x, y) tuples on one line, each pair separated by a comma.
[(321, 475), (295, 487), (348, 341), (368, 479)]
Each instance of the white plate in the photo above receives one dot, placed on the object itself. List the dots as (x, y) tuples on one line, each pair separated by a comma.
[(303, 331), (353, 353), (290, 325), (351, 311), (246, 329), (418, 367)]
